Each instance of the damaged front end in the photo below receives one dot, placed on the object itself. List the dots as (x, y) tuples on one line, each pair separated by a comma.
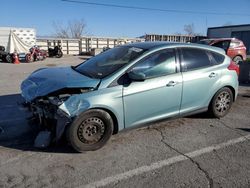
[(51, 119), (48, 88)]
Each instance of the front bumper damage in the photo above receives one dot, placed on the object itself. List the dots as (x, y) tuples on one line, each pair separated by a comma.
[(51, 119), (46, 89)]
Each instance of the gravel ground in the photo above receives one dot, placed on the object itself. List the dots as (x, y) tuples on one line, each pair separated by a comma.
[(188, 152)]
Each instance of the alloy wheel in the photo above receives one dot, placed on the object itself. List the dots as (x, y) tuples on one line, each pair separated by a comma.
[(222, 103)]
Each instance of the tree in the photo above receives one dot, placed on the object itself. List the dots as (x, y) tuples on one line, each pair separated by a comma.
[(227, 23), (189, 29), (73, 29)]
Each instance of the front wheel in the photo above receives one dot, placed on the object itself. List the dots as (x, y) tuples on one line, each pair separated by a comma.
[(221, 103), (90, 131)]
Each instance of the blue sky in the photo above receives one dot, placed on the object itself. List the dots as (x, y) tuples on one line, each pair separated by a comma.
[(118, 22)]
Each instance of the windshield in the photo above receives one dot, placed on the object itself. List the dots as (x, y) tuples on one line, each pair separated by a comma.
[(109, 61)]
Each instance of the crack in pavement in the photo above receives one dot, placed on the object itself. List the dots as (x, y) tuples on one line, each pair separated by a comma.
[(209, 179)]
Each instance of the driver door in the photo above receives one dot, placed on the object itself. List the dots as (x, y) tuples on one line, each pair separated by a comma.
[(159, 95)]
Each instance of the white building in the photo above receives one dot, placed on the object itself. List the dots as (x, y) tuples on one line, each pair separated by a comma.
[(17, 39)]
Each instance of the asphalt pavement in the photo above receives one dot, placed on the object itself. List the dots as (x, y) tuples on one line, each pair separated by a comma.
[(194, 151)]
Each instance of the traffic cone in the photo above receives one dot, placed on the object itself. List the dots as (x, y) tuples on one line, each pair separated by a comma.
[(15, 58)]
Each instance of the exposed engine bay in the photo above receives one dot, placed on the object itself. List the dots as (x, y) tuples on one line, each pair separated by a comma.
[(51, 119)]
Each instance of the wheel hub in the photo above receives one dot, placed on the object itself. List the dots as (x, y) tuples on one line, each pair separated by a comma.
[(222, 102), (91, 130)]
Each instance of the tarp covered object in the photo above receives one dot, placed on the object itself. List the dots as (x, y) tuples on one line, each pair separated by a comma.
[(16, 44)]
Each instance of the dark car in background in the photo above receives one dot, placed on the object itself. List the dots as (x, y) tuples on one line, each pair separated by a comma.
[(233, 47), (5, 56)]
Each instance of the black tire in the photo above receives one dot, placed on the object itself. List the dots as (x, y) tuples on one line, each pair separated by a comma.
[(8, 58), (90, 130), (237, 59), (29, 58), (59, 54), (221, 103)]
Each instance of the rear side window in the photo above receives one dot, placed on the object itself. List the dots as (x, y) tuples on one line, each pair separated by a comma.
[(193, 58), (234, 44), (217, 58), (222, 44)]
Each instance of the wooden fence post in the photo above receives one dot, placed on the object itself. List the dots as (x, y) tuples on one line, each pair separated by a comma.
[(80, 46), (67, 42)]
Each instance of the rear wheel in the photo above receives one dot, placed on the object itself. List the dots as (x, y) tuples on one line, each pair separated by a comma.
[(90, 130), (59, 54), (29, 58), (221, 103), (237, 59)]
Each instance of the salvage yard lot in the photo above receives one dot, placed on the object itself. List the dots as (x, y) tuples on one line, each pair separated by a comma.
[(188, 152)]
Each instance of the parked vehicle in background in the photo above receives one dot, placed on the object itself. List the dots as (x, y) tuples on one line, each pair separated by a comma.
[(127, 86), (55, 52), (233, 47), (35, 54), (5, 56), (105, 48)]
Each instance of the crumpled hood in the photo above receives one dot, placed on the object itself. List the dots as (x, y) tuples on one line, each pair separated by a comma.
[(48, 80)]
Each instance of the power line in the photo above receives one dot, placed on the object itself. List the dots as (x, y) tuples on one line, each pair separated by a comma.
[(155, 9)]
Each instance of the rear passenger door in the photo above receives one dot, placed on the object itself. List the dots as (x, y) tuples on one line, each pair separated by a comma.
[(200, 78)]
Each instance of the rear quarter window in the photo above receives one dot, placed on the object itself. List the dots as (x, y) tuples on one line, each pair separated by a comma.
[(194, 58), (217, 58)]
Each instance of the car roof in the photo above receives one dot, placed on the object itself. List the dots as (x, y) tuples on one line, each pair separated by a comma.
[(149, 45), (220, 39), (159, 44)]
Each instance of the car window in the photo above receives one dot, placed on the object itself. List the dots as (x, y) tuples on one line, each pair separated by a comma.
[(157, 64), (222, 44), (109, 61), (234, 44), (207, 42), (193, 58), (217, 58)]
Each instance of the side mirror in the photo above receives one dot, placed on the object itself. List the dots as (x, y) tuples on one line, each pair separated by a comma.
[(137, 76)]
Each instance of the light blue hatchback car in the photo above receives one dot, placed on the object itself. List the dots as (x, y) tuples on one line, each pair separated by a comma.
[(127, 86)]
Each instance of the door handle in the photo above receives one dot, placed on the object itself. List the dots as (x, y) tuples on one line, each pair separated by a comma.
[(171, 83), (212, 75)]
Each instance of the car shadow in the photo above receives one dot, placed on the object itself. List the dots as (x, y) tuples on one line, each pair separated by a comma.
[(244, 129), (16, 132), (203, 115)]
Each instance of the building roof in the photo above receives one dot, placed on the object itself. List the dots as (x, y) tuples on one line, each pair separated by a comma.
[(230, 26)]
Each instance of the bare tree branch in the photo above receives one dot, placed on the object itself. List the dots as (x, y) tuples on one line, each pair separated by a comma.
[(60, 30), (227, 23), (74, 29), (189, 29)]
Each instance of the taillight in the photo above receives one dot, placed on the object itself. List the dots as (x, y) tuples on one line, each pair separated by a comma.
[(234, 67)]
